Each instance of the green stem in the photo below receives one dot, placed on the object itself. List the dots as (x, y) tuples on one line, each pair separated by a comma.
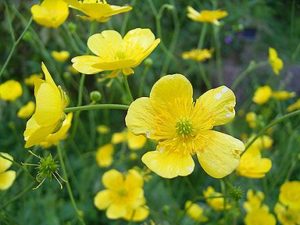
[(95, 107), (202, 36), (128, 88), (62, 163), (218, 54)]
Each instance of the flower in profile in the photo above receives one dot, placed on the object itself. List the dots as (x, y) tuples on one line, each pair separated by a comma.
[(135, 142), (283, 95), (32, 79), (10, 90), (286, 215), (251, 119), (7, 177), (260, 216), (215, 199), (195, 212), (206, 16), (275, 62), (199, 55), (26, 111), (254, 201), (104, 155), (61, 56), (262, 95), (123, 197), (49, 114), (294, 106), (98, 10), (51, 13), (116, 54), (290, 194), (183, 128)]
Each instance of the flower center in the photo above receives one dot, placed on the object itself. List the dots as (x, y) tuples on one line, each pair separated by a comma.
[(122, 192), (184, 127)]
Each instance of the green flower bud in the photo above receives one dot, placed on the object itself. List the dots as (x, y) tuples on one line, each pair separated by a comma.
[(95, 96)]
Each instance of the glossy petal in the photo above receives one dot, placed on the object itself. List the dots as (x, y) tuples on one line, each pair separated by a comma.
[(4, 163), (138, 214), (103, 199), (113, 179), (116, 211), (136, 141), (104, 155), (6, 179), (84, 64)]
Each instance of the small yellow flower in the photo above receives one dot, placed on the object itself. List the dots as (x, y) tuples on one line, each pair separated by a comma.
[(7, 177), (32, 79), (114, 53), (260, 216), (262, 95), (283, 95), (294, 106), (51, 13), (61, 56), (206, 16), (215, 199), (49, 112), (103, 129), (97, 10), (184, 128), (251, 119), (135, 142), (275, 62), (263, 142), (61, 134), (199, 55), (287, 216), (104, 155), (290, 194), (123, 197), (26, 111), (10, 90), (254, 201), (195, 212)]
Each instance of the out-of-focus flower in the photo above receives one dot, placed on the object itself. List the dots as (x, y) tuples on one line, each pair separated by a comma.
[(286, 215), (260, 216), (97, 10), (10, 90), (26, 111), (49, 114), (199, 55), (135, 142), (183, 128), (7, 177), (263, 142), (283, 95), (51, 13), (195, 212), (61, 56), (215, 199), (294, 106), (123, 197), (251, 119), (275, 62), (262, 95), (61, 134), (104, 155), (32, 79), (290, 194), (206, 16), (254, 201), (116, 54), (72, 70), (103, 129)]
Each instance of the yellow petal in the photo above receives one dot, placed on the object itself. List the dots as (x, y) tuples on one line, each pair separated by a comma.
[(169, 164), (113, 179), (138, 214), (221, 153), (119, 137), (134, 179), (10, 90), (136, 141), (103, 199), (219, 103), (6, 179), (84, 64), (27, 110), (4, 163), (104, 155), (116, 211)]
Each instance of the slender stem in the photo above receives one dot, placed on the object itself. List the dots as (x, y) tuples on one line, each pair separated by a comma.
[(70, 192), (202, 36), (218, 54), (95, 107), (128, 88)]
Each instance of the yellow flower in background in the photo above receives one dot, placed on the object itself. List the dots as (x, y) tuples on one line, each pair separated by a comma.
[(61, 134), (283, 95), (215, 199), (27, 110), (72, 70), (252, 165), (294, 106), (49, 112), (195, 212), (290, 194), (263, 142), (7, 177), (135, 142), (97, 10), (262, 95), (184, 128), (61, 56), (10, 90), (206, 16), (275, 62), (32, 79), (123, 196), (114, 53), (260, 216), (199, 55), (104, 155), (51, 13), (251, 119), (254, 201), (287, 216), (103, 129)]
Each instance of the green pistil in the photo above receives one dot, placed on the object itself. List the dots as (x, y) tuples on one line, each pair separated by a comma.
[(184, 127)]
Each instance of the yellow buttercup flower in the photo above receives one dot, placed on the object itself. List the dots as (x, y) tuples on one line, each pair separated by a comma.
[(10, 90), (254, 201), (51, 13), (103, 129), (290, 194), (135, 142), (123, 197), (262, 95), (215, 199), (195, 212), (275, 62), (294, 106), (61, 56), (184, 128), (32, 79), (287, 216), (61, 134), (283, 95), (7, 177), (114, 53), (26, 111), (199, 55), (251, 119), (97, 10), (49, 112), (260, 216), (206, 16), (104, 155)]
